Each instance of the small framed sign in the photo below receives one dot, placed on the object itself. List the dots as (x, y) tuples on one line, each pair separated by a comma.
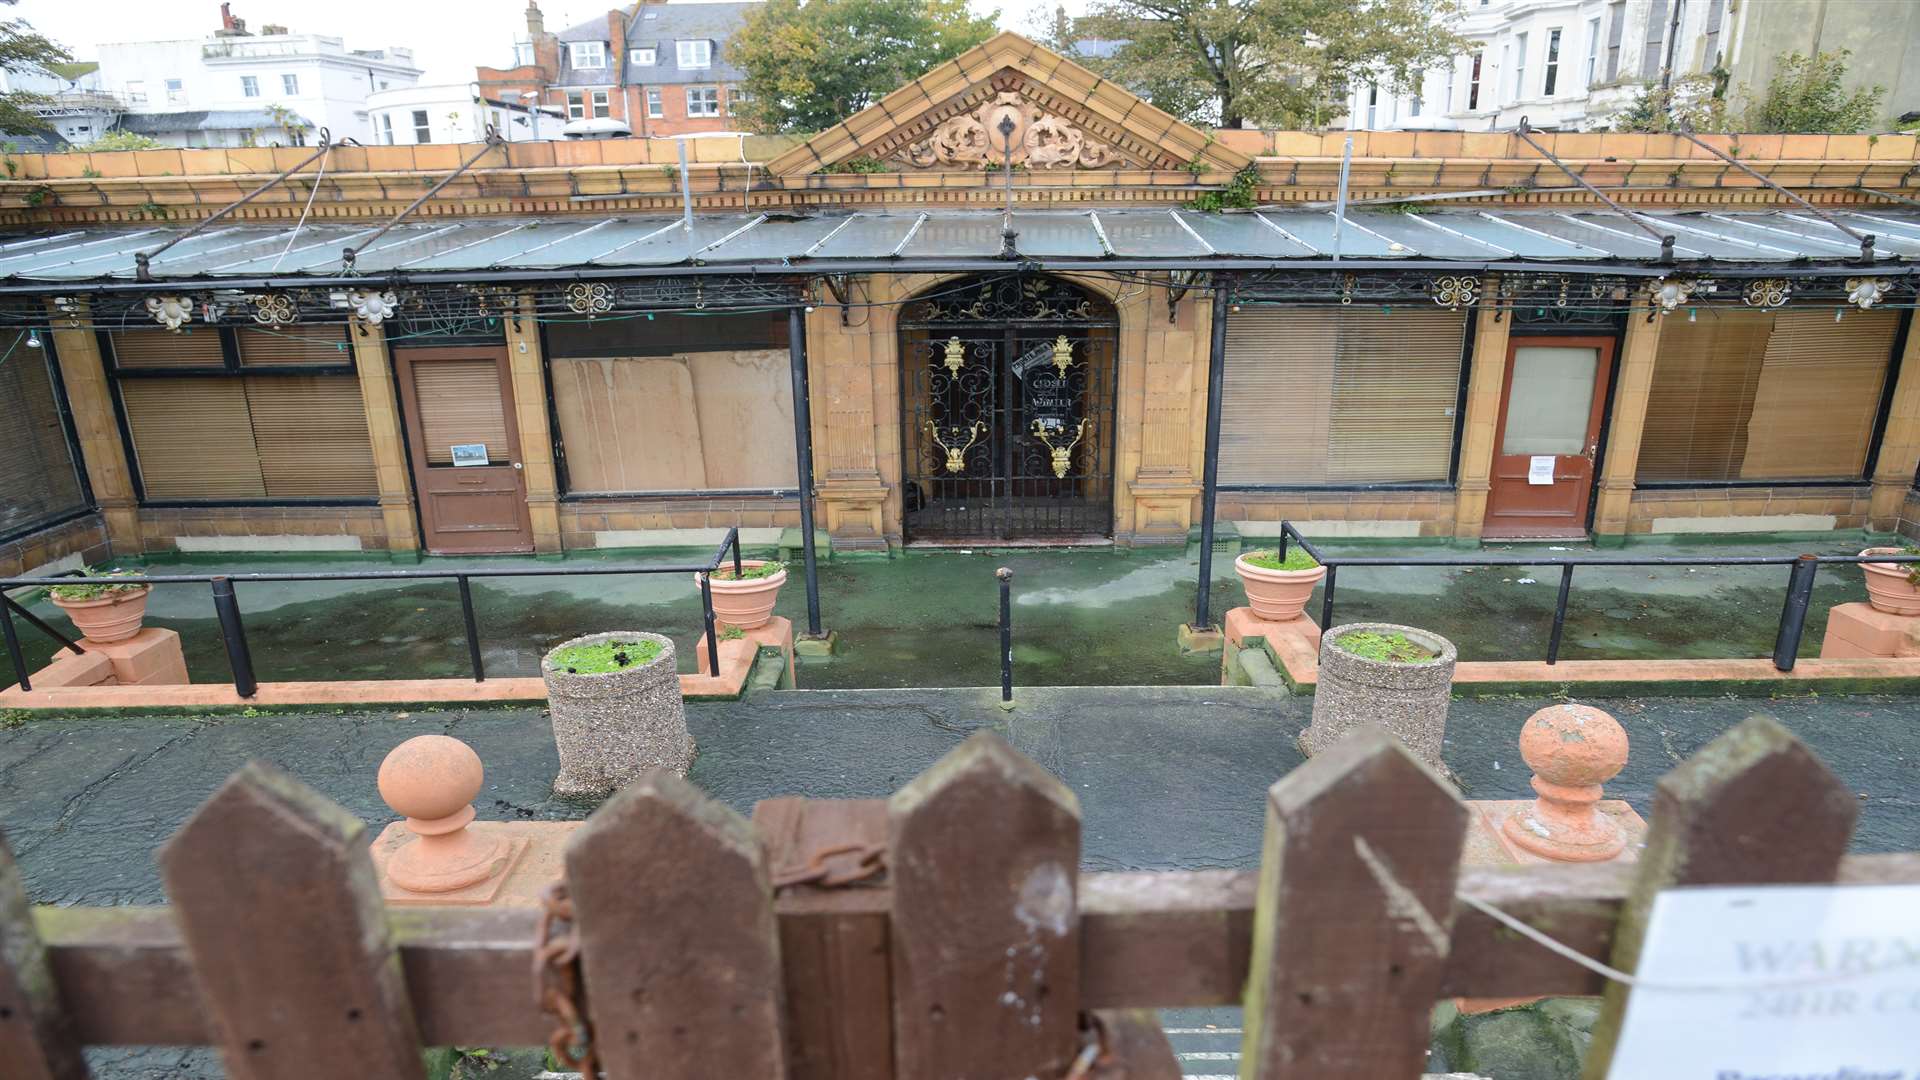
[(1781, 981), (469, 454)]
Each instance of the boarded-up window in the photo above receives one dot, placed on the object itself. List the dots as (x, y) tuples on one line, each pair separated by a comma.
[(260, 437), (1317, 396), (1760, 395), (38, 476), (691, 421)]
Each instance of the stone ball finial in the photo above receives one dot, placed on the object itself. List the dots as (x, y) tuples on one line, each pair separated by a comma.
[(1573, 745), (431, 780), (1572, 750)]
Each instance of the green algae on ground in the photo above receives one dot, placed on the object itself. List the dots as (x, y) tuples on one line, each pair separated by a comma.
[(605, 657), (1393, 648), (1297, 559)]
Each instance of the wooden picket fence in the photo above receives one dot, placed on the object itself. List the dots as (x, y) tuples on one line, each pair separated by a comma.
[(975, 954)]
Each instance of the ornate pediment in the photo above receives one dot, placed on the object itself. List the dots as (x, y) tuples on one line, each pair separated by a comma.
[(1010, 101)]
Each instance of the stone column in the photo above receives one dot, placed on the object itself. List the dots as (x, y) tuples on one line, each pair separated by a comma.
[(852, 377), (1630, 395), (91, 401), (393, 471), (536, 437), (1900, 446), (1157, 441), (1478, 437)]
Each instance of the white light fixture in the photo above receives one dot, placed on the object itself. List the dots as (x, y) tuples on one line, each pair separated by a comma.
[(172, 312), (33, 340), (1864, 292), (1671, 293), (372, 307)]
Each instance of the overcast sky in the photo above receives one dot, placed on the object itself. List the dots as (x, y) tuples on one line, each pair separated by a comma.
[(448, 37)]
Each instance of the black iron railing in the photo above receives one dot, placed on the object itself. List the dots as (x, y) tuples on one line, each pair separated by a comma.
[(1786, 642), (233, 631)]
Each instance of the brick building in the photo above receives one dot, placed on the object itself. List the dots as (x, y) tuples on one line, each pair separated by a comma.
[(657, 68)]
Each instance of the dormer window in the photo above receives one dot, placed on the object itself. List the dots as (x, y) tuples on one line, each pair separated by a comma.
[(589, 54), (645, 57), (696, 54)]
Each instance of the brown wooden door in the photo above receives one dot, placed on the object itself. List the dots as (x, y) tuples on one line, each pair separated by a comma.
[(1551, 404), (465, 449)]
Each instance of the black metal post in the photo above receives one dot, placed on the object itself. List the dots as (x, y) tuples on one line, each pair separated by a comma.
[(1560, 614), (733, 537), (1793, 617), (473, 630), (803, 458), (1006, 632), (1284, 538), (713, 639), (1326, 599), (14, 656), (1210, 469), (227, 607)]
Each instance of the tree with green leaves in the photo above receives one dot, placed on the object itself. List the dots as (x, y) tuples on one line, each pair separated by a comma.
[(1269, 63), (811, 65), (25, 51)]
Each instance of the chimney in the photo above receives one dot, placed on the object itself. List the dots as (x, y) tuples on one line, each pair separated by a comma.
[(536, 23), (226, 16)]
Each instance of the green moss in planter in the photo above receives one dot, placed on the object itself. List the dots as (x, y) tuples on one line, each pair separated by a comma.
[(604, 657), (748, 573), (96, 585), (1394, 648), (1297, 559)]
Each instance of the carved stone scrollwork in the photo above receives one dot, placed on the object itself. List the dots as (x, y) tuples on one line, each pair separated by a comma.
[(1039, 140)]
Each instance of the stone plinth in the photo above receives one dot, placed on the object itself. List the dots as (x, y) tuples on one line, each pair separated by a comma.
[(610, 728), (152, 657), (1408, 699), (1859, 631), (76, 669), (777, 632)]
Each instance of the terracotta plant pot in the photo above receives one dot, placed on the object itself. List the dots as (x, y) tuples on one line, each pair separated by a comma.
[(1277, 595), (113, 617), (746, 604), (1888, 589)]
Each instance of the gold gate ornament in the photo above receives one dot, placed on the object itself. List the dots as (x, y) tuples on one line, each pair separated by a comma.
[(956, 458), (1062, 455), (1062, 355), (956, 355)]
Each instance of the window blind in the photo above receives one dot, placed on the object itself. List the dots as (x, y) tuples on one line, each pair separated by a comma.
[(1757, 395), (460, 403), (192, 438), (310, 347), (1317, 396), (311, 434), (166, 349), (38, 477)]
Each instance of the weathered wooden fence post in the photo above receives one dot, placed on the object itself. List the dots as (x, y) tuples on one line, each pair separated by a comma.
[(36, 1042), (275, 894), (984, 853), (678, 946), (1753, 807), (1352, 924)]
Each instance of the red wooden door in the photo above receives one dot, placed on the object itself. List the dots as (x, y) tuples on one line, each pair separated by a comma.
[(465, 449), (1551, 405)]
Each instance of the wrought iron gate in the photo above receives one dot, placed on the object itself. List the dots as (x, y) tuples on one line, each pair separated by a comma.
[(1008, 410)]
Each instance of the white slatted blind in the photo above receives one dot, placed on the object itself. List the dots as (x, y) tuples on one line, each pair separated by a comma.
[(460, 403), (1347, 396)]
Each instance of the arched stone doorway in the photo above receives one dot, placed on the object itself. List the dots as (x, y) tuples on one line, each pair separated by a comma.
[(1007, 412)]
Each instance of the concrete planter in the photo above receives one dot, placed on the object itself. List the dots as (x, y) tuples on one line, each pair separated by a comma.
[(610, 728), (110, 618), (1277, 595), (1408, 699), (747, 603), (1888, 589)]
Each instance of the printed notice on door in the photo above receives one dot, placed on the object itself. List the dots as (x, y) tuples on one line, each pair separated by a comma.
[(1540, 469), (1776, 982)]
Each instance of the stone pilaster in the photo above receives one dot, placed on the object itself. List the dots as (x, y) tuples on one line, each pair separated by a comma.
[(1170, 359), (1478, 435), (1893, 473), (391, 468), (536, 438), (91, 401), (853, 381), (1631, 391)]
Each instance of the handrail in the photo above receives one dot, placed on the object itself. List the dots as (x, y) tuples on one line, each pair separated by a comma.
[(1786, 638), (226, 603)]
